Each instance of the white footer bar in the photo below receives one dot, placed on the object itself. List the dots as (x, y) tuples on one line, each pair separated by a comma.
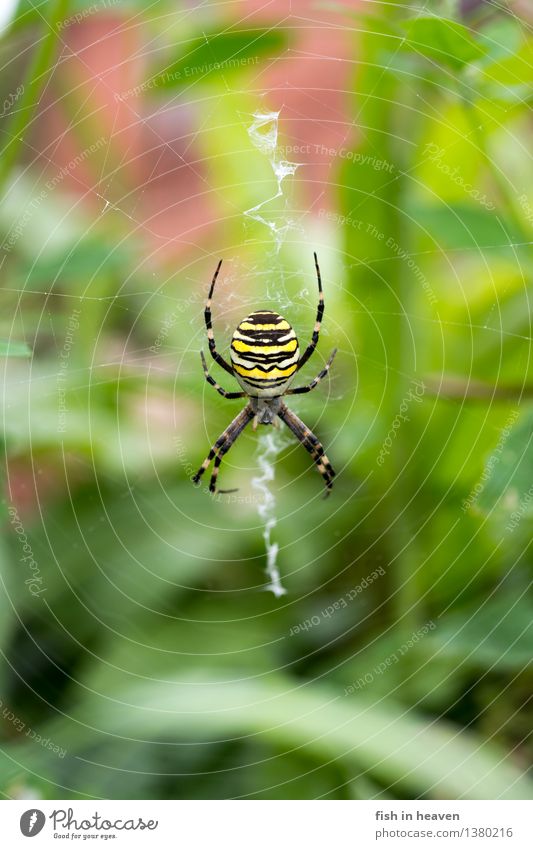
[(268, 824)]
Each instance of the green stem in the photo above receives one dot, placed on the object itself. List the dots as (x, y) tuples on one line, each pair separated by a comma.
[(383, 206), (452, 387), (36, 77), (6, 612), (406, 585)]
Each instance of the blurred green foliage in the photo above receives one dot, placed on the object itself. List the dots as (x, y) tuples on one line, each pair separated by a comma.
[(153, 657)]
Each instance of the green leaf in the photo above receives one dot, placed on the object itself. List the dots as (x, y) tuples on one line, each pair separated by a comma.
[(439, 760), (497, 635), (502, 36), (14, 349), (443, 41), (461, 225), (507, 493), (510, 78), (219, 53), (29, 13), (371, 23)]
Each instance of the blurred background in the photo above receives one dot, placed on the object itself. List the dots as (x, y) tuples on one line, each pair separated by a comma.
[(144, 654)]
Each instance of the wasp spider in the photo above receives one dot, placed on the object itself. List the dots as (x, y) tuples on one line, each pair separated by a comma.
[(264, 359)]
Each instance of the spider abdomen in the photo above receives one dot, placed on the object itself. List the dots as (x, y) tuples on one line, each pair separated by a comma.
[(264, 353)]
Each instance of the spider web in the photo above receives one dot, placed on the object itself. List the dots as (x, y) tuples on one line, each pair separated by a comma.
[(263, 132)]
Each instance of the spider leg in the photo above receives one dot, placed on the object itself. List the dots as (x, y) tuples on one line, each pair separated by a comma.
[(209, 326), (301, 389), (222, 446), (310, 443), (230, 395), (319, 313)]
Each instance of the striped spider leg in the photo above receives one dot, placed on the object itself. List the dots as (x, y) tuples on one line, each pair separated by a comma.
[(230, 395), (222, 446), (209, 326), (318, 322), (300, 390), (311, 444)]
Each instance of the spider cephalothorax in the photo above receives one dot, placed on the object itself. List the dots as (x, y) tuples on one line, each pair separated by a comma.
[(264, 359)]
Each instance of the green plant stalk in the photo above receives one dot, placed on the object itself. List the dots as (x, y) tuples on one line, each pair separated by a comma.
[(6, 611), (36, 77), (5, 607), (401, 516), (407, 592)]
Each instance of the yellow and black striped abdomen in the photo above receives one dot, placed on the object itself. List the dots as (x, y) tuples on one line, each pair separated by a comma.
[(264, 353)]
